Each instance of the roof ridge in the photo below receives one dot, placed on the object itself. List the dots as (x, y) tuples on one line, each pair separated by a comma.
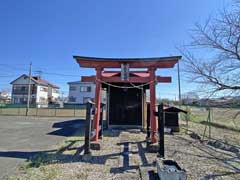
[(39, 81)]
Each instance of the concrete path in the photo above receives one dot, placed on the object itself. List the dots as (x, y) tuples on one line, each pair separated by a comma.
[(21, 137)]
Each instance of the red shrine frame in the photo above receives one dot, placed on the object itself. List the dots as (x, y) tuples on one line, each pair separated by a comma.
[(151, 64)]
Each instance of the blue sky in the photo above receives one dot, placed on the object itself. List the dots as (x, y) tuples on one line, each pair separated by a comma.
[(47, 33)]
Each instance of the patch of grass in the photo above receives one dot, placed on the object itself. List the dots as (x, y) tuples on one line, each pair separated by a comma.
[(41, 173), (225, 117), (42, 159), (49, 172), (12, 178), (225, 125), (70, 142), (220, 126)]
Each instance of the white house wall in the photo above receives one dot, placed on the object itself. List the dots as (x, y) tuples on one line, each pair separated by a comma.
[(42, 94), (80, 95), (53, 94)]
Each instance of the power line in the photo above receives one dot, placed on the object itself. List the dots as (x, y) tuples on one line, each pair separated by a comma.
[(12, 67), (7, 75), (58, 74)]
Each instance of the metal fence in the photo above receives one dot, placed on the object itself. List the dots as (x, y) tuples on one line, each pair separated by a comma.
[(220, 125), (21, 110)]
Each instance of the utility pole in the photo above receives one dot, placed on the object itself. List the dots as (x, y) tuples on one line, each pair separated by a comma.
[(179, 86), (29, 88)]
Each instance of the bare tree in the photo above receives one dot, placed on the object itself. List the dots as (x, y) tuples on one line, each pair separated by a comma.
[(218, 40)]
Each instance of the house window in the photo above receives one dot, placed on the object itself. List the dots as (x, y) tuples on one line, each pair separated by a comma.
[(23, 88), (22, 100), (72, 88), (72, 99), (85, 88), (43, 89), (20, 88), (16, 100), (56, 91), (42, 99)]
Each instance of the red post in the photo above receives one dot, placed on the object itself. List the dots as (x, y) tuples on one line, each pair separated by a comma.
[(97, 102), (153, 122)]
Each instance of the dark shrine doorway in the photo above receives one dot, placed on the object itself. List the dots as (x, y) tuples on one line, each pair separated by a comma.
[(125, 106)]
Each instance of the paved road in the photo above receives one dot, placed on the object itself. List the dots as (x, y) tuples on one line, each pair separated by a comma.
[(20, 137)]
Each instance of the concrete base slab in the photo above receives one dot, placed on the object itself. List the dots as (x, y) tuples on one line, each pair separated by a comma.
[(95, 146), (87, 157)]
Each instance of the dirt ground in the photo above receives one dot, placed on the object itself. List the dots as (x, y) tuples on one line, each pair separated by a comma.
[(123, 156)]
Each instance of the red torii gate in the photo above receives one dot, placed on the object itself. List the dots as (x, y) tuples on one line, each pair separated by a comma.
[(151, 64)]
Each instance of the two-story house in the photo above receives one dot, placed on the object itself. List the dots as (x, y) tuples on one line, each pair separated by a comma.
[(42, 92), (80, 92)]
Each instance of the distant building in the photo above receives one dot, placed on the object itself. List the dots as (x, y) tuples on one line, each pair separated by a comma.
[(5, 97), (81, 92), (42, 92), (190, 98), (226, 101)]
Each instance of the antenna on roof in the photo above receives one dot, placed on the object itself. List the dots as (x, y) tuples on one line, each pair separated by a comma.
[(39, 73)]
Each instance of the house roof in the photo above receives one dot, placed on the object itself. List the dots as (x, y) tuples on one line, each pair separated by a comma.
[(37, 80), (44, 82)]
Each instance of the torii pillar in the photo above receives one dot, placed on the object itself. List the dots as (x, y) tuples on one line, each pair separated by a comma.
[(153, 122), (97, 103)]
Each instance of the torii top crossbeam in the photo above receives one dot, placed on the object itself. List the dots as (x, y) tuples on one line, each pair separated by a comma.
[(157, 62), (151, 64)]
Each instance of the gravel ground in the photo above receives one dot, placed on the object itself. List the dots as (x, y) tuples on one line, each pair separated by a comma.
[(123, 156), (202, 161)]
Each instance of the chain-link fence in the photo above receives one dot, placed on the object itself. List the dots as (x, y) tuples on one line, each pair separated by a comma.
[(212, 123), (69, 110)]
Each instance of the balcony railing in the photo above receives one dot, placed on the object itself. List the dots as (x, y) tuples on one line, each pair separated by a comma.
[(22, 92)]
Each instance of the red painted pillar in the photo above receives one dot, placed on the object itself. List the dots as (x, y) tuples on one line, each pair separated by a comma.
[(97, 102), (153, 122)]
